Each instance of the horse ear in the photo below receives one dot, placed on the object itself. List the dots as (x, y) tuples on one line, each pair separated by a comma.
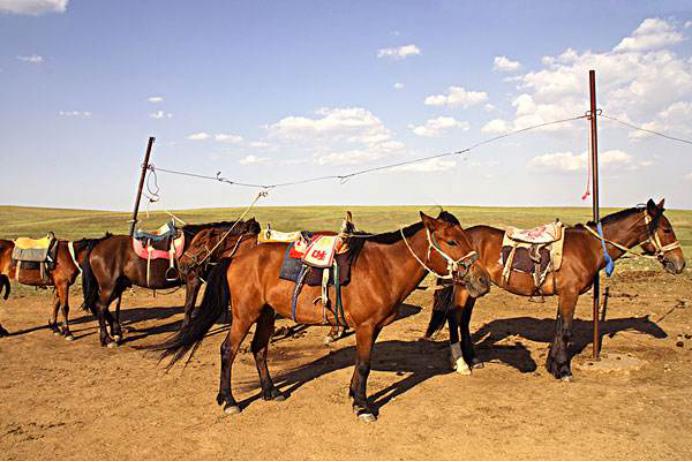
[(651, 208), (428, 222), (660, 204)]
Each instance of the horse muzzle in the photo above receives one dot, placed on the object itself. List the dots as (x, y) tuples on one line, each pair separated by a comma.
[(476, 281)]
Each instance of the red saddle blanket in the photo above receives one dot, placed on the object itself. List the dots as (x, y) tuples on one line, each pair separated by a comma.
[(145, 249)]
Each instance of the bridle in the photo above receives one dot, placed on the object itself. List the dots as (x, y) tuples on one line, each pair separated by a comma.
[(653, 239), (194, 258), (453, 265)]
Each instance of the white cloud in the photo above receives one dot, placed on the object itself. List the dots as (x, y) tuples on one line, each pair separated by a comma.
[(199, 136), (251, 159), (457, 96), (338, 136), (496, 126), (504, 64), (427, 166), (259, 144), (31, 59), (688, 24), (438, 126), (688, 177), (160, 115), (85, 114), (398, 53), (398, 86), (651, 34), (227, 138), (569, 162), (634, 82), (155, 99), (33, 7)]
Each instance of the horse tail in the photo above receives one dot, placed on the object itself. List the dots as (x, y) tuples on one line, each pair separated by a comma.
[(90, 286), (5, 282), (216, 299)]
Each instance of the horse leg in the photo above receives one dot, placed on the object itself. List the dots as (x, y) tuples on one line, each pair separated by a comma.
[(558, 362), (63, 294), (104, 299), (467, 348), (229, 349), (116, 328), (53, 321), (192, 285), (260, 348), (365, 340)]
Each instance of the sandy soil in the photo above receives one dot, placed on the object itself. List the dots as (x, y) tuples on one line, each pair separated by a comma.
[(61, 400)]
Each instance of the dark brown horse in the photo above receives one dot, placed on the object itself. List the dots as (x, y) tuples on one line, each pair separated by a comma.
[(582, 258), (113, 266), (388, 267), (61, 277)]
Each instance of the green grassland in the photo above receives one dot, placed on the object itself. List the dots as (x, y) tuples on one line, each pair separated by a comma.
[(73, 224)]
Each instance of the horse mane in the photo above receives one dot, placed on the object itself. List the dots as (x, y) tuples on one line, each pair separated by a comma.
[(621, 215), (90, 242), (392, 237), (250, 226)]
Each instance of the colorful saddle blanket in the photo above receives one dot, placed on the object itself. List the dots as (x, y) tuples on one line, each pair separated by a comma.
[(148, 250), (35, 250), (537, 251)]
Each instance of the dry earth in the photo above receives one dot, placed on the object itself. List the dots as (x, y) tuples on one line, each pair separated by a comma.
[(61, 400)]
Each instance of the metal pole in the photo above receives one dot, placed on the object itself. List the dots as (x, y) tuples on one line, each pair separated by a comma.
[(145, 166), (596, 211)]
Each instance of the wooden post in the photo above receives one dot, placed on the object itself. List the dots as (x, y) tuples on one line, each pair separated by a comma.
[(595, 207), (143, 175)]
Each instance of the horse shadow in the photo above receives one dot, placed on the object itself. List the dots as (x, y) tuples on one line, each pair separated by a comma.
[(414, 361), (487, 337)]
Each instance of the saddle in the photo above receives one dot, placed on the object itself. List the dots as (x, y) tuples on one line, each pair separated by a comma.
[(35, 254), (319, 259), (167, 242), (536, 251)]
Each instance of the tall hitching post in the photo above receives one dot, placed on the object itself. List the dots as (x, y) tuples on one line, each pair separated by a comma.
[(143, 175), (596, 211)]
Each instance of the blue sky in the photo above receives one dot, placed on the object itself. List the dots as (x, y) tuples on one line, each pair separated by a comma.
[(278, 91)]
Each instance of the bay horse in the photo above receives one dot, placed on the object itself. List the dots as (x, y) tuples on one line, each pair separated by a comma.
[(113, 266), (387, 268), (64, 273), (583, 257)]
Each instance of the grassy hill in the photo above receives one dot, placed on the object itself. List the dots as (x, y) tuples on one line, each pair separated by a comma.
[(73, 224)]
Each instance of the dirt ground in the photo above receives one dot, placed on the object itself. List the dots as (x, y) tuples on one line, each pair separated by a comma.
[(62, 400)]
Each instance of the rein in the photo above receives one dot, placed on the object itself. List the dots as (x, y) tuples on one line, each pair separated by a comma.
[(653, 239), (452, 264)]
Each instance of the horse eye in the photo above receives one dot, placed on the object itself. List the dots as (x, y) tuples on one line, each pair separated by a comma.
[(452, 243)]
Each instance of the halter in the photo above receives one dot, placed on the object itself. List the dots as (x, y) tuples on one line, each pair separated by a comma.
[(452, 265), (652, 239)]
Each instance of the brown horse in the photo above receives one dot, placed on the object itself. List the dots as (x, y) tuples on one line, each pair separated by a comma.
[(61, 277), (387, 268), (113, 266), (582, 258)]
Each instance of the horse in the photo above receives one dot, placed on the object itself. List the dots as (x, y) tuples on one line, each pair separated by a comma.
[(386, 269), (583, 258), (113, 266), (63, 274), (210, 245)]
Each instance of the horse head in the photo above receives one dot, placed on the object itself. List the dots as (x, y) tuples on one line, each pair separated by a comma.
[(662, 241), (451, 253)]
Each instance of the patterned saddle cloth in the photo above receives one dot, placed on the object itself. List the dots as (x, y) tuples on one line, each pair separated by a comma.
[(537, 251)]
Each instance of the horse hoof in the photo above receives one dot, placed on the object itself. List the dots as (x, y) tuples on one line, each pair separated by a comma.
[(56, 333), (279, 397), (478, 365), (231, 409), (117, 338), (367, 417), (567, 378), (69, 337), (112, 344)]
